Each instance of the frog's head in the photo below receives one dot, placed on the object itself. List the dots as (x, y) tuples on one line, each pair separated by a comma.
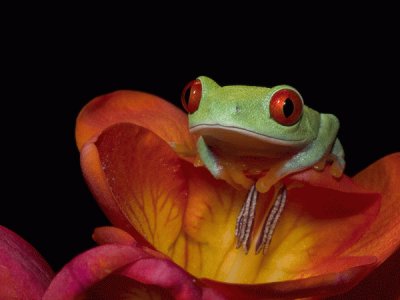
[(252, 120)]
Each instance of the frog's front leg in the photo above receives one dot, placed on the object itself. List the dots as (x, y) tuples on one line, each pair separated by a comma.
[(338, 162), (335, 158), (236, 178), (322, 149), (229, 172)]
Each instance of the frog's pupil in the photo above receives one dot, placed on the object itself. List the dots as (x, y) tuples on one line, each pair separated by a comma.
[(288, 107)]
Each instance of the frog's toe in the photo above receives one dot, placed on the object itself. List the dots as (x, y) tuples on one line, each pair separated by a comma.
[(337, 167)]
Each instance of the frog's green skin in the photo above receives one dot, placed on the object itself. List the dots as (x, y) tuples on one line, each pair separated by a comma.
[(236, 119)]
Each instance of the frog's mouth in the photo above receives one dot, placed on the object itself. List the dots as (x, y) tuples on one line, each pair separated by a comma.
[(246, 142)]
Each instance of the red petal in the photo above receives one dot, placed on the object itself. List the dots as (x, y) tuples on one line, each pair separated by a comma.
[(24, 274)]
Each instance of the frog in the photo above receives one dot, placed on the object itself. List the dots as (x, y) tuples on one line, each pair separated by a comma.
[(252, 137)]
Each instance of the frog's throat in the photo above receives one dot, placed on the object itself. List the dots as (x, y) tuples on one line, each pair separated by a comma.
[(231, 133)]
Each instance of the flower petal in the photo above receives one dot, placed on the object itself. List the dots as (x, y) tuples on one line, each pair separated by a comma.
[(317, 286), (382, 283), (146, 110), (187, 214), (89, 268), (164, 273), (24, 274), (112, 271), (112, 235), (313, 214), (383, 238), (136, 177), (98, 183), (116, 286)]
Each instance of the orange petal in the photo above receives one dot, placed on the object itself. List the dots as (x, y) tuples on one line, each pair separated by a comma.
[(383, 238), (138, 178), (112, 235), (146, 110)]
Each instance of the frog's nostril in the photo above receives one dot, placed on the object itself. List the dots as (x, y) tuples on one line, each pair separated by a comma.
[(237, 109)]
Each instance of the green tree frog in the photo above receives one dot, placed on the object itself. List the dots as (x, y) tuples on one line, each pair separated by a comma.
[(252, 137)]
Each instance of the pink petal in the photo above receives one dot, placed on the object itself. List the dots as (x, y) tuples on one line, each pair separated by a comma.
[(24, 274), (166, 274), (89, 268), (114, 263)]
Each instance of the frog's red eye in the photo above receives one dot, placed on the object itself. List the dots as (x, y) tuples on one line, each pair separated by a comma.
[(191, 96), (286, 106)]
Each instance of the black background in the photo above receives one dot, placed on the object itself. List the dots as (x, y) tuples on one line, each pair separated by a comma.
[(346, 63)]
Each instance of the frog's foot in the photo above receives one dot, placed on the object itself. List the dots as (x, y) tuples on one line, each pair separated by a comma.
[(183, 150), (245, 220), (264, 240)]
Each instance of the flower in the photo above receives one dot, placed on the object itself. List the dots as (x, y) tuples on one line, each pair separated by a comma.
[(175, 222), (24, 274)]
